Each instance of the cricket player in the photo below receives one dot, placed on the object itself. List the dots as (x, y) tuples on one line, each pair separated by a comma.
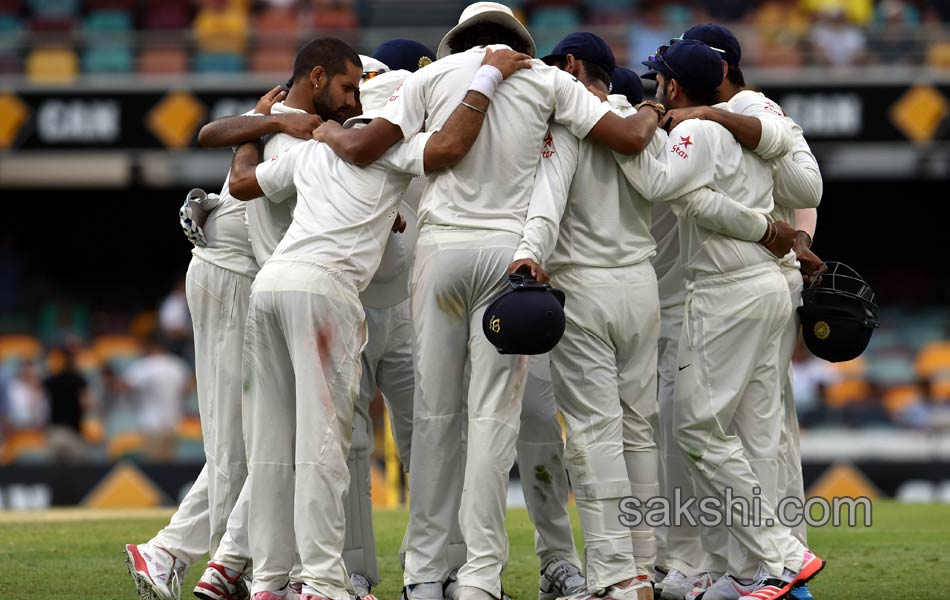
[(727, 405), (471, 225), (306, 325)]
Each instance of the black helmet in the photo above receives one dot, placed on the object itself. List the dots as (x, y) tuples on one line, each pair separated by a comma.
[(526, 319), (838, 313)]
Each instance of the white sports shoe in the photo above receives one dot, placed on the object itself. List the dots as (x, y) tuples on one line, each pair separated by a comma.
[(700, 583), (216, 584), (725, 588), (361, 586), (560, 578), (640, 589), (156, 571), (674, 586)]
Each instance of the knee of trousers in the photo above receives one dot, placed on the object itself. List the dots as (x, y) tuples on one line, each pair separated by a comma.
[(704, 445)]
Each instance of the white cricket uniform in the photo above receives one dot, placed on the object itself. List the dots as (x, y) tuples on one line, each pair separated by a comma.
[(472, 218), (604, 367), (218, 285), (727, 413), (798, 185), (305, 332)]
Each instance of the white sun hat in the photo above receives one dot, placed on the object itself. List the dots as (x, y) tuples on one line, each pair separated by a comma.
[(487, 12), (375, 93)]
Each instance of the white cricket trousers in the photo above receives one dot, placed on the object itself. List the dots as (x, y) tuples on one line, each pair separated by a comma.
[(218, 301), (605, 382), (790, 481), (679, 545), (305, 332), (456, 274), (543, 474), (187, 534), (387, 366), (727, 412)]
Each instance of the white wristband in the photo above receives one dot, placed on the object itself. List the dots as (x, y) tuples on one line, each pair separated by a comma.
[(486, 80)]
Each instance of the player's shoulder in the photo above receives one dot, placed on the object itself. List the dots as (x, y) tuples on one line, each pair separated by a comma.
[(746, 101)]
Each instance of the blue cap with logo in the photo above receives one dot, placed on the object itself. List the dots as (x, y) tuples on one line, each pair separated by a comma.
[(718, 38), (528, 318), (690, 62), (588, 47), (628, 83), (404, 55)]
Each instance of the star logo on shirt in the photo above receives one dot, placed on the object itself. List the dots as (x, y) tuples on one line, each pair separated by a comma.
[(686, 141)]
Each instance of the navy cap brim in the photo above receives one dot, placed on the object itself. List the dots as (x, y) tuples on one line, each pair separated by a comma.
[(655, 67), (651, 75), (550, 56)]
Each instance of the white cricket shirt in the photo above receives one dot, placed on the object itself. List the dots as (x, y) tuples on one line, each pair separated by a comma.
[(491, 187), (344, 212), (269, 218), (604, 222)]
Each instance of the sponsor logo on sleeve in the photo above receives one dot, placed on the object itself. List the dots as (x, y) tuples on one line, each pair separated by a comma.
[(547, 150), (680, 149)]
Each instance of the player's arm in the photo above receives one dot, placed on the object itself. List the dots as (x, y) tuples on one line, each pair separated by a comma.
[(767, 134), (626, 135), (686, 162), (797, 176), (231, 131), (552, 184), (405, 117)]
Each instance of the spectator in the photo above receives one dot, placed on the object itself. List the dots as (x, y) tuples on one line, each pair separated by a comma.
[(27, 406), (836, 42), (782, 26), (174, 319), (159, 382), (858, 12), (811, 376), (648, 33), (69, 398), (896, 42)]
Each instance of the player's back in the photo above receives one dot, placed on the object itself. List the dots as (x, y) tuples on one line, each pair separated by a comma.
[(491, 187)]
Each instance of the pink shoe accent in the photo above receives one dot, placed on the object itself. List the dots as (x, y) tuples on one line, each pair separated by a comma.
[(138, 561)]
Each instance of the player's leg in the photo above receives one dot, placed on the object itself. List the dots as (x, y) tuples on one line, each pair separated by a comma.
[(546, 488), (584, 372), (632, 294), (329, 335), (269, 405), (791, 483), (440, 329), (223, 579), (494, 416), (158, 566), (396, 378)]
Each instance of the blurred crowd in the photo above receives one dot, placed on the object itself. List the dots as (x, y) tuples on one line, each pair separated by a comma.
[(59, 39)]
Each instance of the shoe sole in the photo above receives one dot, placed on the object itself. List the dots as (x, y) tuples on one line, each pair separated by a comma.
[(143, 584)]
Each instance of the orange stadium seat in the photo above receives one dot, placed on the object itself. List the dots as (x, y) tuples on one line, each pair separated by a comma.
[(20, 442), (19, 346), (273, 60), (847, 391), (163, 61), (898, 398), (108, 347), (933, 359), (189, 428), (122, 444), (52, 65)]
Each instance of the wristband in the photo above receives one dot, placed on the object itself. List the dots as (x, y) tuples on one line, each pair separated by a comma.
[(660, 110), (486, 80), (808, 239)]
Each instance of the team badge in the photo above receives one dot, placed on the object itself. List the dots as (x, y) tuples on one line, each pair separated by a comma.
[(822, 330), (495, 324), (424, 61)]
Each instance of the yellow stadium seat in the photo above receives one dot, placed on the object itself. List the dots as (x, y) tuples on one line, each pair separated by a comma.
[(19, 346), (938, 55), (933, 359), (900, 397), (52, 65), (189, 428), (93, 431), (25, 440), (221, 30), (126, 443), (108, 347), (847, 391), (143, 324), (940, 391)]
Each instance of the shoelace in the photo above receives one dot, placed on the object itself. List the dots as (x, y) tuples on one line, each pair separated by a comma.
[(175, 583), (562, 573)]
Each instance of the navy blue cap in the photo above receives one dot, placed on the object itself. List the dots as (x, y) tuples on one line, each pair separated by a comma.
[(690, 62), (628, 83), (526, 319), (405, 55), (717, 37), (588, 47)]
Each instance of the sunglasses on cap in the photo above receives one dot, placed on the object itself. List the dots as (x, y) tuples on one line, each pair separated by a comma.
[(680, 39), (658, 58), (367, 75)]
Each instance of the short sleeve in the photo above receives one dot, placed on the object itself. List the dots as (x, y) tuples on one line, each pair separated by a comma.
[(409, 156), (406, 108), (276, 176), (575, 107)]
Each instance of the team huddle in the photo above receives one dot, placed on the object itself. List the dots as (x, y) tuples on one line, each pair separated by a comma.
[(372, 215)]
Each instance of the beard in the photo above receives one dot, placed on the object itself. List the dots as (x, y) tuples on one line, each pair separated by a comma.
[(325, 108), (663, 94)]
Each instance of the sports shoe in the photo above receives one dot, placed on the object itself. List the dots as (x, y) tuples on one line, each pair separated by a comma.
[(674, 586), (639, 589), (296, 588), (361, 586), (724, 588), (156, 571), (774, 589), (284, 593), (560, 578), (450, 589), (699, 583), (216, 584), (801, 593), (424, 591), (811, 566)]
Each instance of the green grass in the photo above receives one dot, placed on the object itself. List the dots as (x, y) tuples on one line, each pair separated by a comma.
[(904, 552)]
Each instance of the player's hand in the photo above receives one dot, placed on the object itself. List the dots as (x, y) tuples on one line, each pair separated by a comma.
[(812, 267), (601, 94), (269, 99), (399, 225), (779, 238), (527, 266), (299, 125), (326, 130), (506, 61), (676, 116)]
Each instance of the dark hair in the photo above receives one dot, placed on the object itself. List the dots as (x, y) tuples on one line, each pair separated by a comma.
[(330, 53), (592, 69), (734, 75), (485, 34), (704, 97)]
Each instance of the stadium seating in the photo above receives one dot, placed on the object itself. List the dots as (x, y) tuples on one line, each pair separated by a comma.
[(52, 65)]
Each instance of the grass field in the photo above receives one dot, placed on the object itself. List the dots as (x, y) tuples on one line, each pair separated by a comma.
[(77, 555)]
